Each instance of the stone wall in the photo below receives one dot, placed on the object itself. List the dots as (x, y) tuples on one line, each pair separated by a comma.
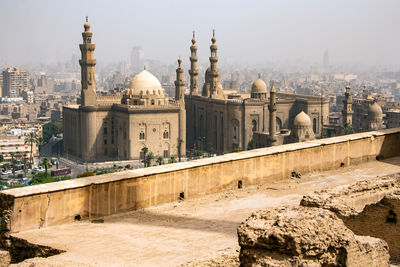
[(369, 207), (56, 203), (305, 236)]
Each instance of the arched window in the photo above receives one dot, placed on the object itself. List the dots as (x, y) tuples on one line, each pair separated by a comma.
[(165, 134), (315, 125), (141, 135), (254, 125)]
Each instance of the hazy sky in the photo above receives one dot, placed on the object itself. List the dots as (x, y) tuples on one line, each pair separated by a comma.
[(44, 31)]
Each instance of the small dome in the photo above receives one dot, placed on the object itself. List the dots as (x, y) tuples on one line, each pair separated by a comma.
[(302, 119), (146, 83), (375, 111), (259, 86)]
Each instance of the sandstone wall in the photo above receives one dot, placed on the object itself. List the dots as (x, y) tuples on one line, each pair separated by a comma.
[(370, 207), (61, 202)]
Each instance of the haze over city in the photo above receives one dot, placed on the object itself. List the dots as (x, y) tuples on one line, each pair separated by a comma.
[(248, 32)]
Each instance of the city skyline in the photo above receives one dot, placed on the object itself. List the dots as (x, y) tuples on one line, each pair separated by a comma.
[(251, 32)]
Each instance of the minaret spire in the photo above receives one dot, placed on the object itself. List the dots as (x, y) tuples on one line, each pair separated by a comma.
[(214, 72), (347, 111), (87, 62), (179, 83), (272, 115), (193, 72)]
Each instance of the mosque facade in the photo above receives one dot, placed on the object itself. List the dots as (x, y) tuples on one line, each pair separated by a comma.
[(220, 122), (110, 127)]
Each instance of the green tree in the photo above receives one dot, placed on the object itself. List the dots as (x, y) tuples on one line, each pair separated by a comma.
[(46, 164), (180, 141), (172, 160), (160, 160), (347, 129), (145, 150), (24, 161), (1, 158), (51, 129), (149, 158), (31, 138)]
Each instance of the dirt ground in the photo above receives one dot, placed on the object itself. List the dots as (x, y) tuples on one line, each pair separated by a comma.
[(191, 232)]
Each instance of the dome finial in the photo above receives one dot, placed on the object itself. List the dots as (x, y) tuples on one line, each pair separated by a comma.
[(213, 39), (144, 67), (87, 25), (87, 18), (259, 76), (193, 39), (179, 61)]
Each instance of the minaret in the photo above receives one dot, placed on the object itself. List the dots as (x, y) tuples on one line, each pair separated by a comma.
[(88, 93), (214, 72), (180, 99), (179, 83), (194, 72), (272, 115), (347, 107)]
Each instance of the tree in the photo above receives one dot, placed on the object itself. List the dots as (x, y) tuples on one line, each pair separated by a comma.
[(46, 164), (347, 129), (149, 158), (86, 174), (172, 160), (32, 138), (24, 161), (51, 129), (145, 150), (1, 158), (180, 141), (160, 160)]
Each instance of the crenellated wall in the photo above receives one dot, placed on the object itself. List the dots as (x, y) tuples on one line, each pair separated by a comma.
[(56, 203)]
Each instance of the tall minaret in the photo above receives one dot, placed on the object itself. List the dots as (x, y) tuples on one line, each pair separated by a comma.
[(88, 93), (347, 107), (179, 83), (272, 115), (180, 98), (194, 72), (214, 72)]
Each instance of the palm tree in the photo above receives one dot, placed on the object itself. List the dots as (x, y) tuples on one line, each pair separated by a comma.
[(149, 158), (180, 141), (160, 160), (24, 161), (145, 150), (32, 138), (46, 164)]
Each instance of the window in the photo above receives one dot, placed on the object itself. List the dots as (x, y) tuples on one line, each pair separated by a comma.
[(254, 125), (315, 125), (166, 153), (152, 101), (105, 130), (141, 135), (105, 141), (165, 134)]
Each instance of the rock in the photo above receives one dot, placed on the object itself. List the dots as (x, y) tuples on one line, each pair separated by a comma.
[(303, 236), (5, 258)]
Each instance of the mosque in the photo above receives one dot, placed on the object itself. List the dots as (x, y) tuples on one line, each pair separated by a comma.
[(220, 121), (117, 127), (111, 127)]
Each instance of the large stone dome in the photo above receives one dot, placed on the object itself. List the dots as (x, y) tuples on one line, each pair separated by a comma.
[(145, 83), (302, 120), (259, 86), (375, 111)]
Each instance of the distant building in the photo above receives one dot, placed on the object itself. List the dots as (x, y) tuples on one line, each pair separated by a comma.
[(392, 118), (15, 147), (117, 126), (14, 81), (220, 120)]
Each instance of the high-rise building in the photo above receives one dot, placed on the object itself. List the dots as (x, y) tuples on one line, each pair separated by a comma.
[(137, 58), (14, 81)]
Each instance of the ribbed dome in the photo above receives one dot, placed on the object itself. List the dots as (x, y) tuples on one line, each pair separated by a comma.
[(375, 111), (259, 86), (302, 119), (146, 83)]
